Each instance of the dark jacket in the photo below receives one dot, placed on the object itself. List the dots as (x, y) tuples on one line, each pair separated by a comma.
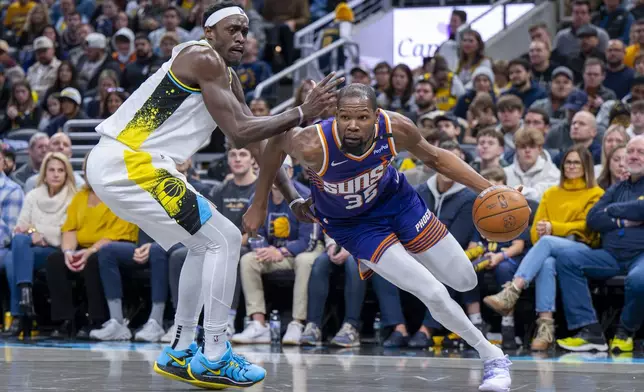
[(620, 81), (56, 124), (137, 72), (23, 120), (528, 97), (108, 63), (576, 64), (453, 208), (624, 200), (595, 150), (464, 101), (617, 24), (280, 220)]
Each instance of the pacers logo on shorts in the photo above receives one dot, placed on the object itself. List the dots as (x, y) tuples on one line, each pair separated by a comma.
[(170, 192)]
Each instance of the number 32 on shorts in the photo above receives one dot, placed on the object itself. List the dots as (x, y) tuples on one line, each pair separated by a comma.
[(359, 199)]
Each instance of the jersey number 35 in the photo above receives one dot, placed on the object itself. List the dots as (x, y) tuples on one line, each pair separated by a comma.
[(359, 199)]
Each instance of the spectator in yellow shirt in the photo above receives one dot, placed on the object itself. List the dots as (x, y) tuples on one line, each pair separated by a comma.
[(633, 51), (17, 14), (89, 226)]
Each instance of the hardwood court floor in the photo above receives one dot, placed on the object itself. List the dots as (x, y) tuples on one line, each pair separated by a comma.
[(50, 366)]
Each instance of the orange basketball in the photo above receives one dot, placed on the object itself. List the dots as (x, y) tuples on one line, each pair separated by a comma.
[(501, 213)]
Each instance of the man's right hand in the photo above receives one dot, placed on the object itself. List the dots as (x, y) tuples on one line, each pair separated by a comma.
[(337, 257), (322, 95)]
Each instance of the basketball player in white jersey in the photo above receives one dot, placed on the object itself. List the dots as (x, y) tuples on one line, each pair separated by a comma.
[(132, 170)]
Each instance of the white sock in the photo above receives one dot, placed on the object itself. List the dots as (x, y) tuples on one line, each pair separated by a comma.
[(476, 318), (232, 314), (221, 245), (507, 321), (189, 302)]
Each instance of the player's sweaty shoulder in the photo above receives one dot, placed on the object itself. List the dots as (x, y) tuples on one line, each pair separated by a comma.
[(306, 146), (198, 64)]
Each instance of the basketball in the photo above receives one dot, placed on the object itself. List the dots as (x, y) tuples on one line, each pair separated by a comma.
[(501, 213)]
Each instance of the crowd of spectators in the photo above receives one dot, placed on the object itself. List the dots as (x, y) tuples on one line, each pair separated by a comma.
[(565, 120)]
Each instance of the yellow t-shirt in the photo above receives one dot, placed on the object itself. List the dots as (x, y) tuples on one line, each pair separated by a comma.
[(17, 15), (566, 209), (631, 52), (92, 224)]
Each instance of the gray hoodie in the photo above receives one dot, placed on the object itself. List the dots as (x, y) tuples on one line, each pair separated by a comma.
[(127, 33), (441, 197)]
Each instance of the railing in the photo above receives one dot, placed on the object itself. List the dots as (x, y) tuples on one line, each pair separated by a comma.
[(306, 38), (311, 60), (289, 102), (470, 23)]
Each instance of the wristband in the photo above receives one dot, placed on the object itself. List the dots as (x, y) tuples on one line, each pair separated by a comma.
[(291, 204), (301, 113)]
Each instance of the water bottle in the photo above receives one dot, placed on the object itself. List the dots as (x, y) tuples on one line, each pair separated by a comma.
[(246, 322), (276, 327), (377, 329)]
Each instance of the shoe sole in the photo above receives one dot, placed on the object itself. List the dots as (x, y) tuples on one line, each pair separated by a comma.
[(495, 306), (217, 386), (140, 339), (174, 377), (345, 345), (585, 347), (268, 341), (621, 350), (290, 343)]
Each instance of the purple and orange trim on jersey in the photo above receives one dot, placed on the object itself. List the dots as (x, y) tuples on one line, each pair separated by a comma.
[(431, 234), (385, 244), (325, 148)]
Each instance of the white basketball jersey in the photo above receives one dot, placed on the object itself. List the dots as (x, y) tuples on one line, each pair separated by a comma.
[(163, 116)]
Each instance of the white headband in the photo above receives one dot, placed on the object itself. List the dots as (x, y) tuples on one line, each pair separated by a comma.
[(224, 13)]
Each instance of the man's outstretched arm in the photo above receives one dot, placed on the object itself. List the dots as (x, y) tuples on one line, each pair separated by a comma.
[(407, 137), (212, 75)]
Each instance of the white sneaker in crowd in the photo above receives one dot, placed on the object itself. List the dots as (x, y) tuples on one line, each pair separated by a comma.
[(151, 332), (293, 333), (255, 333), (169, 336), (112, 330)]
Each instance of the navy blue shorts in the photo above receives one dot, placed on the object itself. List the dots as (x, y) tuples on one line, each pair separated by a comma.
[(403, 217)]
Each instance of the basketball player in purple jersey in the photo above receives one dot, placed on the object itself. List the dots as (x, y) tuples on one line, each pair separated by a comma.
[(368, 208)]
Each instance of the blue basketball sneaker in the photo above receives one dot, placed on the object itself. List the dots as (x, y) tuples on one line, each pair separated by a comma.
[(173, 364), (231, 370)]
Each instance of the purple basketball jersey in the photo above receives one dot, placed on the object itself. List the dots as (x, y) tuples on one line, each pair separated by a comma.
[(349, 185)]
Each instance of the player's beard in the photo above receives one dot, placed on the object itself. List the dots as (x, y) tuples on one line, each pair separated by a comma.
[(357, 150)]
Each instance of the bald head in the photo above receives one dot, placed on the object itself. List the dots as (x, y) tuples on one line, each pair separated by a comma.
[(60, 142), (583, 128), (615, 52)]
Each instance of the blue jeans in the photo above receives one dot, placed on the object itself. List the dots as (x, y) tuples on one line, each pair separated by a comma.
[(575, 266), (539, 265), (354, 290), (116, 254), (23, 260)]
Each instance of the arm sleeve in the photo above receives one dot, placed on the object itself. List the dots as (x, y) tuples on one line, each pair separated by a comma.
[(9, 212), (598, 219)]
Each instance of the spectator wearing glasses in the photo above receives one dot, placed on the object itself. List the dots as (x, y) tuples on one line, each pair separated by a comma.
[(559, 223), (618, 217), (37, 233)]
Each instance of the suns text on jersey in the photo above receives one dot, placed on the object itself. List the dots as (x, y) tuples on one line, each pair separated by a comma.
[(356, 184)]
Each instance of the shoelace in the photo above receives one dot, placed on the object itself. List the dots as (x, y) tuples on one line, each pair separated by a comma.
[(240, 360), (545, 330)]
